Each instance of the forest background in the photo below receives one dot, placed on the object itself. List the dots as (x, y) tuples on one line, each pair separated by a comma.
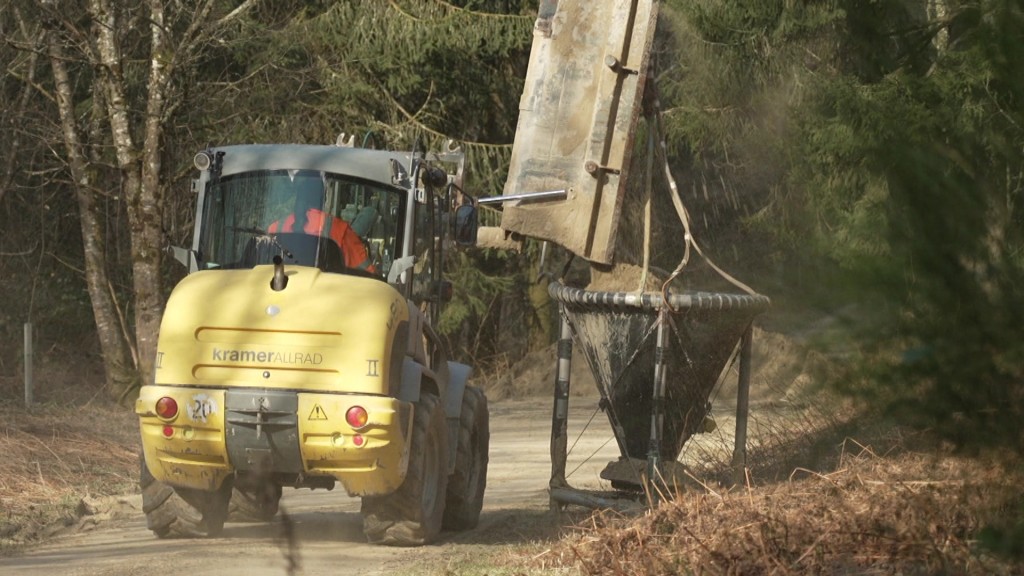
[(861, 159)]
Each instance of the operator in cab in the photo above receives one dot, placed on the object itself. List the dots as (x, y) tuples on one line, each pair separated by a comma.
[(308, 217)]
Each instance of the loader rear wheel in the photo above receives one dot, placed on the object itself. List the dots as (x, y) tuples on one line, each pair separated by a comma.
[(412, 515), (255, 504), (182, 512), (466, 485)]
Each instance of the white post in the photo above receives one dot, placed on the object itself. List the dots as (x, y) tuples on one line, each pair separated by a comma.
[(28, 364)]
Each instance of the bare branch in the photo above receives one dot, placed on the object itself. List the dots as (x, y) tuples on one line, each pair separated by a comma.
[(198, 34), (241, 9), (11, 152), (22, 253)]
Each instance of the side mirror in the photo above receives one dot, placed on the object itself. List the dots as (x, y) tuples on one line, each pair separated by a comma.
[(465, 225), (398, 267), (186, 257)]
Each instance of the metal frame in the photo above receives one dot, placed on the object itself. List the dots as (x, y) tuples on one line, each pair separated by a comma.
[(561, 492)]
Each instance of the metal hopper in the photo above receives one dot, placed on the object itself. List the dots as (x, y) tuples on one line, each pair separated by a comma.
[(655, 363)]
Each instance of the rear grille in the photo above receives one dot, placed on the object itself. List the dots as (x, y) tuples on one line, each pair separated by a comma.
[(262, 430)]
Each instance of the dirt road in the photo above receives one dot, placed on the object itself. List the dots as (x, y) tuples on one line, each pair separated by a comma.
[(327, 526)]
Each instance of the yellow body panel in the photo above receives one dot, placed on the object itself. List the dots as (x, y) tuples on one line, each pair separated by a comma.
[(328, 446), (323, 332), (329, 337), (194, 455)]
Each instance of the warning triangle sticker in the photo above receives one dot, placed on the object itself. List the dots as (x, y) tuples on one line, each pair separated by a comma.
[(317, 413)]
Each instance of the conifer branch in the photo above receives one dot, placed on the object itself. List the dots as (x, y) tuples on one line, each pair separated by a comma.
[(412, 119)]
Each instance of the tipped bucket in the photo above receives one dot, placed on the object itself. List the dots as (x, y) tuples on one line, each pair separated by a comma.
[(616, 331)]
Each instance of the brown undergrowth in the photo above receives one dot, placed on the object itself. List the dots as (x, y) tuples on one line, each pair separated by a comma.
[(888, 509), (58, 462)]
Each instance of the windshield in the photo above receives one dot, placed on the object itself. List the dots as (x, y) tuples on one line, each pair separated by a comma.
[(310, 218)]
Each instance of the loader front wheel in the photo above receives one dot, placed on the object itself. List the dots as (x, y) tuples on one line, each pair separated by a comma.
[(466, 485), (412, 515), (182, 512)]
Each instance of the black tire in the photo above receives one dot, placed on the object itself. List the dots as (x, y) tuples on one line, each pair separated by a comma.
[(255, 504), (412, 515), (182, 512), (466, 485)]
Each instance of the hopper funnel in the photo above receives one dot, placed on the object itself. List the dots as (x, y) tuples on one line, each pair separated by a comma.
[(632, 340)]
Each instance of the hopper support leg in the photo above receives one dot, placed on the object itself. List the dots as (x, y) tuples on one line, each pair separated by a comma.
[(739, 454), (560, 411)]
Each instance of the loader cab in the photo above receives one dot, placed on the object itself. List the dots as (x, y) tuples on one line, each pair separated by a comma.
[(318, 206), (337, 223)]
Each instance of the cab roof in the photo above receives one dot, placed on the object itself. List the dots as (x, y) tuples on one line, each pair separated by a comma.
[(361, 163)]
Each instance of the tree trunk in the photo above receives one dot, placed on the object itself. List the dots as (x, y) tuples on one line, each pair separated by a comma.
[(140, 172), (136, 117), (148, 245), (119, 370)]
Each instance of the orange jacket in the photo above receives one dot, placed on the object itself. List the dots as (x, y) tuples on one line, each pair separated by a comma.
[(351, 245)]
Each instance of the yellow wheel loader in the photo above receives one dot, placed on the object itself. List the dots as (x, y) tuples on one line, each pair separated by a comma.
[(299, 350)]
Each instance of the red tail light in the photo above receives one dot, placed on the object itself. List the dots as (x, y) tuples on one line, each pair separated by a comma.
[(357, 417), (166, 408)]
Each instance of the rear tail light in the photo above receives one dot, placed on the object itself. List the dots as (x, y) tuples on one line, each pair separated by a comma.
[(166, 408), (357, 417)]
